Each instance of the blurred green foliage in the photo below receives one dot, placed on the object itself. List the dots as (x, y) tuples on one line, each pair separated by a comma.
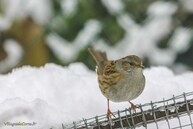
[(68, 26)]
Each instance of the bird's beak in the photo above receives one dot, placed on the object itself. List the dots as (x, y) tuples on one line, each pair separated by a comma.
[(140, 66)]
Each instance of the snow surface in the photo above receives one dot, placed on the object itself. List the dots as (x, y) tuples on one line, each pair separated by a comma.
[(50, 95), (187, 5), (65, 50), (39, 10), (69, 7), (115, 7), (15, 53)]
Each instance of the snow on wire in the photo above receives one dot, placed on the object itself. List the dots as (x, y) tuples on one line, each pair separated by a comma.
[(173, 113)]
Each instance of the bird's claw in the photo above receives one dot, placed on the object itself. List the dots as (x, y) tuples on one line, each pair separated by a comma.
[(109, 114), (133, 106)]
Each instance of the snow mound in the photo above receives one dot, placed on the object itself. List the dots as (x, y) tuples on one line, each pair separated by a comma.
[(48, 96)]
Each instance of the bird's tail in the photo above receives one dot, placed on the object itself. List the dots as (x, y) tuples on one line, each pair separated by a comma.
[(98, 56)]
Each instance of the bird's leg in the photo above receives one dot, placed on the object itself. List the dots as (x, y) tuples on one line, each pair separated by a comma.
[(109, 113), (133, 106)]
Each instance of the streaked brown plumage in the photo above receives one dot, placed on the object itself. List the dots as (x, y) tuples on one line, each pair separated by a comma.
[(119, 80)]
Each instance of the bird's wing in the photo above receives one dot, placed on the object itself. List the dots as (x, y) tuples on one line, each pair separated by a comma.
[(110, 76)]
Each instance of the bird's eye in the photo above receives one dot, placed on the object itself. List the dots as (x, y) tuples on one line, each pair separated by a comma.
[(125, 65)]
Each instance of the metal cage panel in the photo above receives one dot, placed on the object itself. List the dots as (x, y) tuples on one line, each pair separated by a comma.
[(173, 113)]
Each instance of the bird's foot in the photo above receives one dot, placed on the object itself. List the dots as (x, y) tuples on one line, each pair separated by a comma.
[(109, 114), (133, 106)]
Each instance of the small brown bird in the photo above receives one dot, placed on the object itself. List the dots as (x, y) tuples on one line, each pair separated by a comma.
[(119, 80)]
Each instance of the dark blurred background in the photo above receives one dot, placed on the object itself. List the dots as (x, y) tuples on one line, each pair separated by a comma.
[(36, 32)]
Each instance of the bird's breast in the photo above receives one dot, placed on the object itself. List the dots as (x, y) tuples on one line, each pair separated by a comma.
[(126, 88)]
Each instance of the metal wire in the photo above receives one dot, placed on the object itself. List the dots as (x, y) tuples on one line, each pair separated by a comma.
[(173, 113)]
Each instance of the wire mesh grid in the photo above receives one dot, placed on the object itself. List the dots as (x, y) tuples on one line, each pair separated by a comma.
[(173, 113)]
